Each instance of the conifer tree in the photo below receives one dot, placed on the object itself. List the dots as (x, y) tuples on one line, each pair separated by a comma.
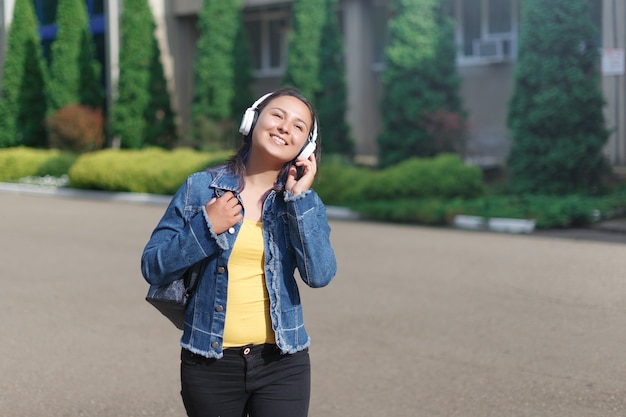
[(555, 113), (214, 88), (304, 45), (420, 84), (137, 49), (161, 128), (23, 90), (243, 77), (331, 99), (75, 72)]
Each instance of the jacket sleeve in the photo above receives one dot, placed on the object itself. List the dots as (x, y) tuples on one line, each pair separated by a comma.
[(183, 237), (309, 233)]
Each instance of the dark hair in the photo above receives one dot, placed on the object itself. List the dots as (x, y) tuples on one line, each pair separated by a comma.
[(237, 163)]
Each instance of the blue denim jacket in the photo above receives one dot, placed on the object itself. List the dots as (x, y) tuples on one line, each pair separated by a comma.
[(296, 235)]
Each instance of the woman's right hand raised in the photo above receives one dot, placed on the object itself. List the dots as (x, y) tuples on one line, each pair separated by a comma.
[(224, 212)]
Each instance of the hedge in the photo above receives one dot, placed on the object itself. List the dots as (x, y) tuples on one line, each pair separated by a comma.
[(21, 162), (153, 170), (549, 211), (419, 191)]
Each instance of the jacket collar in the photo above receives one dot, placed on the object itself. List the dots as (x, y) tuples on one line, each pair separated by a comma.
[(224, 179)]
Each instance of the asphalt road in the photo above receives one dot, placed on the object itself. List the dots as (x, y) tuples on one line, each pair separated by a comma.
[(418, 322)]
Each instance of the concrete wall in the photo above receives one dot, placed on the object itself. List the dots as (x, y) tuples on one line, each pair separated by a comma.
[(6, 13), (614, 86), (362, 115), (486, 91)]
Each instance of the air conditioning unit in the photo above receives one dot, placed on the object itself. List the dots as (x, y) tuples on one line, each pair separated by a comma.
[(495, 49)]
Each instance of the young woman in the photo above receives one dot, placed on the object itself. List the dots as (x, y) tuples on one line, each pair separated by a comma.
[(249, 224)]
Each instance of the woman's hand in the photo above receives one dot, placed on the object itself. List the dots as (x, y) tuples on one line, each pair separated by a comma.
[(224, 212), (309, 166)]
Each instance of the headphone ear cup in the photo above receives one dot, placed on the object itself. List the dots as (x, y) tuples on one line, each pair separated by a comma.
[(313, 135), (249, 117), (308, 149)]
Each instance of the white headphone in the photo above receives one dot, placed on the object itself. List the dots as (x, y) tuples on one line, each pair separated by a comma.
[(249, 119), (250, 116)]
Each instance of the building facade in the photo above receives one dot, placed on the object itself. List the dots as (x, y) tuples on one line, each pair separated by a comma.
[(486, 37)]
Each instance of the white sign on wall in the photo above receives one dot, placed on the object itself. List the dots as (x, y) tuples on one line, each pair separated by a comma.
[(613, 61)]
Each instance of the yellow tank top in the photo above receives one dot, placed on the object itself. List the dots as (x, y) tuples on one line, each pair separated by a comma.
[(247, 306)]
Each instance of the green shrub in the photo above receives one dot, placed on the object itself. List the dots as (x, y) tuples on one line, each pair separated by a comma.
[(76, 128), (550, 212), (21, 162), (153, 170), (445, 176), (340, 183), (57, 164), (429, 211)]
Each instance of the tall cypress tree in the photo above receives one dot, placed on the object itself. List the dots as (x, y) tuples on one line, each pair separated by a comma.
[(75, 72), (304, 45), (23, 91), (161, 128), (331, 99), (419, 82), (129, 110), (555, 113), (214, 88), (243, 77)]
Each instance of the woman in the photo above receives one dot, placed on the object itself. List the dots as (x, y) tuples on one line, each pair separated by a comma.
[(250, 224)]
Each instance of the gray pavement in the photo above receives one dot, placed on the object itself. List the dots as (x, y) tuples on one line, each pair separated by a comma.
[(418, 322)]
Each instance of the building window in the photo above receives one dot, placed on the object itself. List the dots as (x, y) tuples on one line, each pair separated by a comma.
[(95, 7), (380, 33), (46, 11), (596, 18), (46, 14), (267, 30), (487, 30)]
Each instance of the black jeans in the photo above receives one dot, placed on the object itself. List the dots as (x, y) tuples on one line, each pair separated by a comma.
[(254, 381)]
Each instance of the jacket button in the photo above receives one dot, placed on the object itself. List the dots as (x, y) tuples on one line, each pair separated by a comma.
[(215, 345), (220, 269), (219, 309), (231, 230)]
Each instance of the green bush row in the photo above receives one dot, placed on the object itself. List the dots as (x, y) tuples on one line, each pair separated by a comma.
[(445, 176), (549, 212), (152, 170), (422, 191), (21, 162)]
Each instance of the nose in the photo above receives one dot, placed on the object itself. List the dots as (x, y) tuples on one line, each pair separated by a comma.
[(282, 126)]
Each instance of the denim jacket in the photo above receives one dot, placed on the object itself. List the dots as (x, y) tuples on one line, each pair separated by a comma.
[(296, 235)]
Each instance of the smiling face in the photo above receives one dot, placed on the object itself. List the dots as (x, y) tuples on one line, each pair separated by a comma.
[(282, 128)]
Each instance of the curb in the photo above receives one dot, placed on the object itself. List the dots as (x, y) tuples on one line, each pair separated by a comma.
[(336, 213), (494, 224), (612, 226), (85, 194), (333, 212)]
